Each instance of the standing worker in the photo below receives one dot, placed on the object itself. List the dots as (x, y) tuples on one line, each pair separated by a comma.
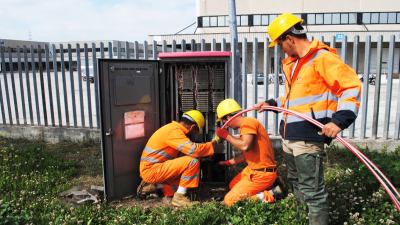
[(319, 85), (160, 166), (260, 173)]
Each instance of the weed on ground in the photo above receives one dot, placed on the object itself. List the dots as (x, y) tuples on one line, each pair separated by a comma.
[(33, 174)]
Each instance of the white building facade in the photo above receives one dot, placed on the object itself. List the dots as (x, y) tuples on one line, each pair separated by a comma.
[(327, 20), (321, 18)]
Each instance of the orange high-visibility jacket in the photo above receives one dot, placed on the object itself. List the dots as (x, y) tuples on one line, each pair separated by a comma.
[(321, 86), (168, 141)]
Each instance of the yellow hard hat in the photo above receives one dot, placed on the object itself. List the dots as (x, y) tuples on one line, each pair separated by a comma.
[(195, 116), (280, 25), (227, 107)]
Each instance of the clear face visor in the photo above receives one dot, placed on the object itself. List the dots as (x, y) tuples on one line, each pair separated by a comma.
[(293, 30)]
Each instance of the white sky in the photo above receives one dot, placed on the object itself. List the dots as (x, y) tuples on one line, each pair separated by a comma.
[(85, 20)]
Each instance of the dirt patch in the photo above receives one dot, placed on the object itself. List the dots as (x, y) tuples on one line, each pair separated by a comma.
[(205, 193)]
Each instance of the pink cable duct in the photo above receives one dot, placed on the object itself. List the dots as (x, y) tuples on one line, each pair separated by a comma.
[(383, 180)]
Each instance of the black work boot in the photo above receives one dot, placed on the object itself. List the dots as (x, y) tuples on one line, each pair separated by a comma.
[(280, 189), (145, 189)]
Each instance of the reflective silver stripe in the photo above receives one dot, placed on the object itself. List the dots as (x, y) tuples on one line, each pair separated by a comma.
[(180, 147), (149, 150), (187, 178), (192, 149), (149, 159), (188, 117), (350, 94), (193, 162), (316, 55), (348, 106), (318, 115), (332, 97), (153, 152), (314, 98)]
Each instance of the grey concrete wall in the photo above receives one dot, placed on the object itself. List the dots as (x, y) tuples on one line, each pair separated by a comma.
[(51, 134), (371, 144), (57, 134)]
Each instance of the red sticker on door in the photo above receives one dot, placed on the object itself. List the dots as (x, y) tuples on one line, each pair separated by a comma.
[(134, 124)]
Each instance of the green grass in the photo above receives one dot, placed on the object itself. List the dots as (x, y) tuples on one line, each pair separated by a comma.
[(33, 174)]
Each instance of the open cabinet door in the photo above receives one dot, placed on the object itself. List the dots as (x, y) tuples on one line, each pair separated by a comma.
[(129, 105)]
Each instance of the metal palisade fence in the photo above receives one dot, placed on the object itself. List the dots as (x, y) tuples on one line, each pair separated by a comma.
[(56, 85)]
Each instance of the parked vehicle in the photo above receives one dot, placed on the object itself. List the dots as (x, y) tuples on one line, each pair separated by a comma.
[(271, 78), (90, 76), (260, 78), (281, 79), (371, 78)]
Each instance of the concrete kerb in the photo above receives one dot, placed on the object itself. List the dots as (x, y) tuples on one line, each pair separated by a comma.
[(50, 134), (58, 134)]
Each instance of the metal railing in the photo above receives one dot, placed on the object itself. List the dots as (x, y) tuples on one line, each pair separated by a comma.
[(55, 86)]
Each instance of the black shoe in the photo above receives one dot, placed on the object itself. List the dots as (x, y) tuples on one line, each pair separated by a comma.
[(283, 189), (277, 192)]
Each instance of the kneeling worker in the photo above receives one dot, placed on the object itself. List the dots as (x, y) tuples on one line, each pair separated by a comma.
[(260, 173), (160, 166)]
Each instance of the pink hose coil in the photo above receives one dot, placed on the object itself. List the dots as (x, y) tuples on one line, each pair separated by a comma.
[(392, 191)]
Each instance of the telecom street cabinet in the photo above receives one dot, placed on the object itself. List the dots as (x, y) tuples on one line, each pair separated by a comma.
[(139, 96)]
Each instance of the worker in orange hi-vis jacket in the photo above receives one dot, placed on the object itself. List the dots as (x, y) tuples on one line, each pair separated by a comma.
[(320, 85), (257, 179), (160, 166)]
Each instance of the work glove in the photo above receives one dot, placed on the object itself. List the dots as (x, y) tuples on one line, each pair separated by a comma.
[(222, 133), (225, 163)]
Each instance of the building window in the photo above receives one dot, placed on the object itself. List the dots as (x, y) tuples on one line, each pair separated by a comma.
[(238, 21), (206, 21), (383, 17), (213, 21), (352, 18), (344, 18), (200, 21), (272, 17), (244, 20), (336, 18), (374, 17), (297, 14), (311, 18), (264, 20), (221, 21), (257, 20), (327, 18), (392, 18), (366, 18), (319, 19)]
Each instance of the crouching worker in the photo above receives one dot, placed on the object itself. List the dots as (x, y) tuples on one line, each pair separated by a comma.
[(257, 178), (160, 166)]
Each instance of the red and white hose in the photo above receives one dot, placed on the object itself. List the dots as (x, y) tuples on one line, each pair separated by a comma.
[(378, 174)]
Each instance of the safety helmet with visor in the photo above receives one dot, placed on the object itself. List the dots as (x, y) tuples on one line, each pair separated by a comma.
[(227, 107), (196, 117), (283, 24)]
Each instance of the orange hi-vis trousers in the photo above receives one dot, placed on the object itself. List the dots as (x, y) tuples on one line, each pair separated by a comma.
[(248, 183), (183, 171)]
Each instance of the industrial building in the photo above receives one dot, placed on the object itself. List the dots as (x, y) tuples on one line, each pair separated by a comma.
[(327, 20)]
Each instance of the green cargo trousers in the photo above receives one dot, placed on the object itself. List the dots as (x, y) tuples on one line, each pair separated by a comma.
[(305, 173)]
